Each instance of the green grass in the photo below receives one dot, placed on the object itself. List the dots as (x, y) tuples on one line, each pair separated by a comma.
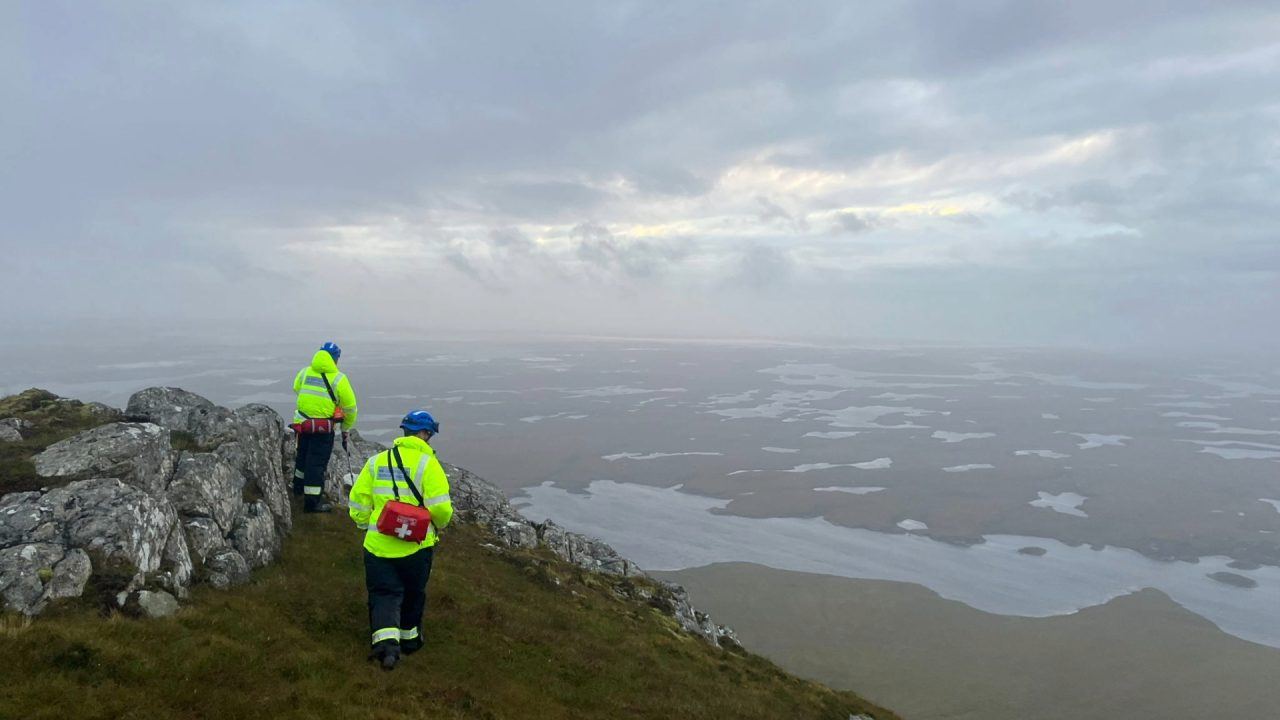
[(509, 635), (54, 420), (182, 440)]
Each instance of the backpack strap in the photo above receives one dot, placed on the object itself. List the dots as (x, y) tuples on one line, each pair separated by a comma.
[(394, 452), (329, 388)]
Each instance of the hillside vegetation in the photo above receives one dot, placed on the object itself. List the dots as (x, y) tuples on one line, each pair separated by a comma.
[(52, 419), (510, 634)]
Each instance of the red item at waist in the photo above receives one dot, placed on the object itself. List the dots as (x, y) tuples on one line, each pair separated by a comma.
[(312, 426), (404, 521)]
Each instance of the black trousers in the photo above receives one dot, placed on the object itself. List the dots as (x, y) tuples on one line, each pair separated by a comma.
[(309, 465), (397, 595)]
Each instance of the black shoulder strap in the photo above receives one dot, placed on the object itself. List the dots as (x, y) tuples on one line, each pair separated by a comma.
[(395, 452), (329, 387)]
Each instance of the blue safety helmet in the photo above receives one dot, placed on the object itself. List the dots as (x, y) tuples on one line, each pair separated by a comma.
[(420, 420), (333, 349)]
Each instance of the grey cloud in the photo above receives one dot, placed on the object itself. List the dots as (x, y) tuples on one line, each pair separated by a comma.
[(761, 267), (633, 258), (540, 200), (265, 131), (854, 222), (772, 212)]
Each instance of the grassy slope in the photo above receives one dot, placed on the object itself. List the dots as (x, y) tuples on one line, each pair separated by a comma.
[(54, 420), (508, 635)]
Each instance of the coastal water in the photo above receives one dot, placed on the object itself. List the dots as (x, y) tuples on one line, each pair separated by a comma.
[(929, 465)]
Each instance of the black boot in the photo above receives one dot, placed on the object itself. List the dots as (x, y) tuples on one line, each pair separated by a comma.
[(409, 647), (390, 656), (386, 654)]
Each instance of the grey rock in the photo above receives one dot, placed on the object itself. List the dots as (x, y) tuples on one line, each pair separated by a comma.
[(204, 538), (256, 452), (101, 515), (205, 485), (156, 603), (342, 462), (177, 409), (21, 587), (476, 500), (69, 575), (255, 536), (11, 429), (587, 552), (226, 568), (555, 538), (31, 575), (137, 453), (673, 599), (515, 533), (176, 568), (57, 532), (23, 519), (106, 516), (249, 439), (103, 410)]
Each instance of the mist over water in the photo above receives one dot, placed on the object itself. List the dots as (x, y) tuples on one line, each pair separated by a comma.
[(931, 465)]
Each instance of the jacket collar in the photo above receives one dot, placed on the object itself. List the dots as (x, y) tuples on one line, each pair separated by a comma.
[(413, 442)]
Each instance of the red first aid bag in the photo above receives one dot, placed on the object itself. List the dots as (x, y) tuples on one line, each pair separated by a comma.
[(402, 520), (399, 519)]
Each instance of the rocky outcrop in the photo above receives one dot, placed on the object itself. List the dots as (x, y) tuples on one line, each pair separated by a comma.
[(47, 540), (206, 486), (478, 501), (135, 507), (177, 409), (159, 519), (256, 451), (136, 453), (11, 429), (33, 574)]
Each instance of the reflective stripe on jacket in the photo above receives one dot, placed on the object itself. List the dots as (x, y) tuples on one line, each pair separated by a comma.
[(373, 488), (313, 398)]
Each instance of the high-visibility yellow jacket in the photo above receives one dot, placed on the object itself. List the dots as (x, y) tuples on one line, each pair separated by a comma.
[(373, 489), (313, 398)]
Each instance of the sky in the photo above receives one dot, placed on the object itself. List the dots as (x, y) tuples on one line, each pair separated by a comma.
[(1099, 174)]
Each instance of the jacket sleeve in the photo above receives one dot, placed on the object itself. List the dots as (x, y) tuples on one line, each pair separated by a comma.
[(347, 399), (361, 500), (435, 487), (297, 380)]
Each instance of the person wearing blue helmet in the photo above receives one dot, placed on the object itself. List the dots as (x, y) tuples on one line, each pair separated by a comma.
[(397, 564), (326, 405)]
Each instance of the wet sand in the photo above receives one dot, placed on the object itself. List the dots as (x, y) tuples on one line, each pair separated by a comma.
[(1136, 657)]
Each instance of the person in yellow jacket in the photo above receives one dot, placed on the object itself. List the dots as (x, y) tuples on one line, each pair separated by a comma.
[(396, 570), (326, 404)]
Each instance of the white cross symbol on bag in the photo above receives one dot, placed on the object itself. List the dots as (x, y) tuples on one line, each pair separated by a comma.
[(403, 531)]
